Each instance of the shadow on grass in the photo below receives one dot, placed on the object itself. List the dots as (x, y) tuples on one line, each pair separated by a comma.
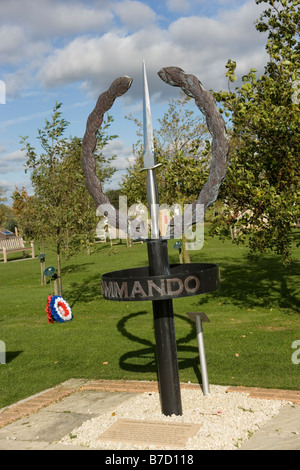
[(264, 282), (11, 355), (75, 267), (84, 291), (144, 361)]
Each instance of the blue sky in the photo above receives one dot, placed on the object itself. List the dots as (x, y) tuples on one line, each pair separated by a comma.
[(70, 51)]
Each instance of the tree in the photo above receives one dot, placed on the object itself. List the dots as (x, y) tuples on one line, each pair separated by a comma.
[(3, 209), (23, 210), (114, 195), (182, 141), (61, 207), (261, 189), (2, 198)]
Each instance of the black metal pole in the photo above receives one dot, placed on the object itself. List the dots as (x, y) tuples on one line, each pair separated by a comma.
[(166, 348)]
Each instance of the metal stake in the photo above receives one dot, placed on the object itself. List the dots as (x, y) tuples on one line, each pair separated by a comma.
[(198, 317)]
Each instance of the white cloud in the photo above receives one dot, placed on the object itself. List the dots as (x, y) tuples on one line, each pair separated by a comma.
[(199, 45), (12, 162), (47, 17), (20, 119), (231, 33), (16, 156), (134, 15), (12, 40), (29, 29), (123, 152), (98, 61), (56, 43), (178, 5), (16, 82)]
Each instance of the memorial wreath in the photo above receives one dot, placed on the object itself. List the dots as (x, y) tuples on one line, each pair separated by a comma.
[(58, 309)]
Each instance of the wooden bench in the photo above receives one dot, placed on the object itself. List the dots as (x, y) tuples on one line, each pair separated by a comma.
[(14, 244)]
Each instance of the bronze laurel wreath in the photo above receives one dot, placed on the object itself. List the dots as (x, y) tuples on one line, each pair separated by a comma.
[(220, 147)]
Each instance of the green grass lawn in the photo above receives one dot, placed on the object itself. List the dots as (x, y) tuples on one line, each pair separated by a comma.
[(255, 318)]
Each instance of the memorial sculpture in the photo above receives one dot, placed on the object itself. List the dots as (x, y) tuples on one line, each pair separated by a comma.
[(160, 282)]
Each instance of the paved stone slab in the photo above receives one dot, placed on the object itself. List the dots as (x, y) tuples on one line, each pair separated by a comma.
[(50, 424), (281, 433), (39, 445), (44, 426), (89, 402), (8, 444)]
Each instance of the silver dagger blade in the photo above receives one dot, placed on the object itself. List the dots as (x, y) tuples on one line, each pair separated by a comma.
[(149, 154), (150, 160)]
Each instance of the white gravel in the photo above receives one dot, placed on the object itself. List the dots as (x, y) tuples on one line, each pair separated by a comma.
[(227, 419)]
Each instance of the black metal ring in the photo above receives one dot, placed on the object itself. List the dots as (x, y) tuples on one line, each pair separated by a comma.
[(184, 280)]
